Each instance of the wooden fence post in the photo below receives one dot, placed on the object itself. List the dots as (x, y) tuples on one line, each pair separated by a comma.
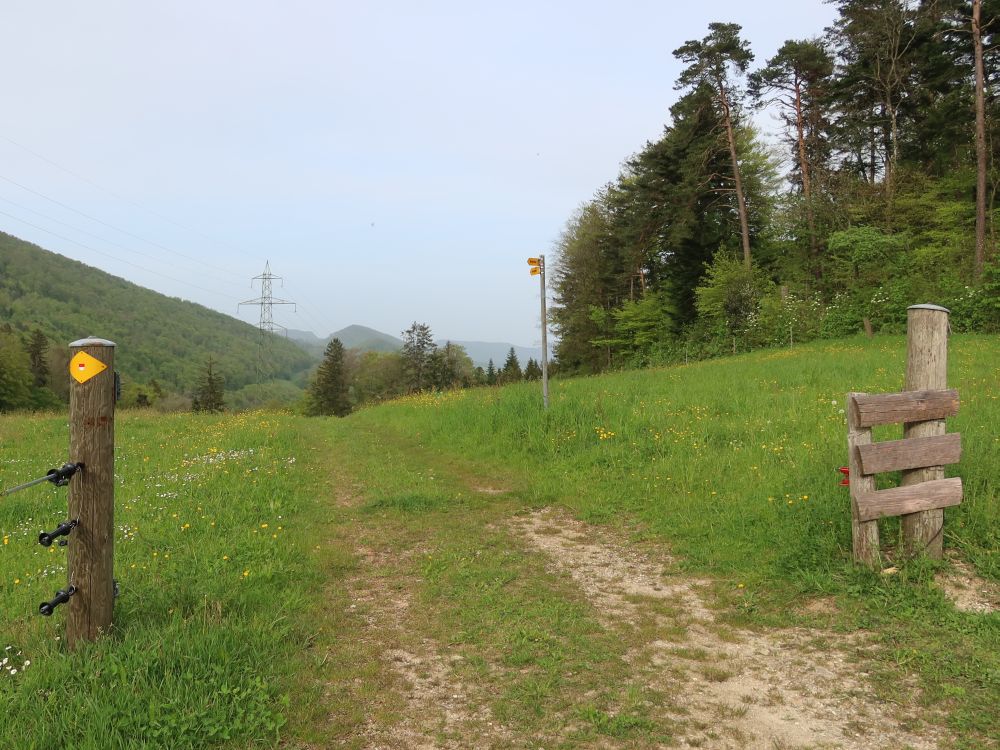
[(926, 369), (92, 491), (863, 533)]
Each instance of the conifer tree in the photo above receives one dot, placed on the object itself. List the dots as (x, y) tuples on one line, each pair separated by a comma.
[(418, 349), (532, 370), (511, 371), (15, 374), (38, 347), (720, 60), (210, 394), (328, 392), (491, 373)]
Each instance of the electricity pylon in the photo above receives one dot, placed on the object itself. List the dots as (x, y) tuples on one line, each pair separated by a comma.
[(267, 327)]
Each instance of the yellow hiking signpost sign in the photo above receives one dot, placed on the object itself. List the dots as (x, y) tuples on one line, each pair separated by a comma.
[(83, 367)]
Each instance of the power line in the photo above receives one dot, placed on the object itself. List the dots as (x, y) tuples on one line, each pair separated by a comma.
[(85, 232), (112, 193), (108, 225), (109, 255), (320, 325)]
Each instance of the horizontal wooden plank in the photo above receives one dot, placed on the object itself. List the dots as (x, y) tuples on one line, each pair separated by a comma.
[(911, 453), (868, 410), (941, 493)]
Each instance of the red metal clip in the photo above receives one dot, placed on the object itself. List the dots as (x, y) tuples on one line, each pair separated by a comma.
[(846, 471)]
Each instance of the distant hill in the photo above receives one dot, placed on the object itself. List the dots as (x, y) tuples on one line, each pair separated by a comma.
[(308, 341), (352, 337), (481, 352), (362, 337), (157, 336)]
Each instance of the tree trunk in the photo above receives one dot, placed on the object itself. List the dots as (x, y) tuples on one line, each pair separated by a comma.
[(872, 151), (806, 180), (977, 42), (737, 178)]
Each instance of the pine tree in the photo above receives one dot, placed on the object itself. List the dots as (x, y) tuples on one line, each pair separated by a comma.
[(491, 373), (15, 374), (511, 371), (719, 61), (210, 394), (37, 348), (418, 348), (798, 79), (532, 370), (329, 392)]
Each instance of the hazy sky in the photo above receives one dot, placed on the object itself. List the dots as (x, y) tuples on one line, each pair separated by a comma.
[(394, 161)]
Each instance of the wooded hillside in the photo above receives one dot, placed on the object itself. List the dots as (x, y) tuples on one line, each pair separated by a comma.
[(879, 195), (159, 338)]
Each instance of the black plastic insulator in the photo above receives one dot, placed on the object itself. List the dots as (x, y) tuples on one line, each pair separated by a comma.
[(47, 537), (60, 477), (62, 596)]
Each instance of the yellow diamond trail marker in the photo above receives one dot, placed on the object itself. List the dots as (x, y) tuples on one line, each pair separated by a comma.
[(83, 367)]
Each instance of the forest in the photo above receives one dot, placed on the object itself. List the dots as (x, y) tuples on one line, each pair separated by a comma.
[(880, 193)]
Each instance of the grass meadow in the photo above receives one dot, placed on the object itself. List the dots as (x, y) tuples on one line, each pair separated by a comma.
[(214, 559), (236, 551)]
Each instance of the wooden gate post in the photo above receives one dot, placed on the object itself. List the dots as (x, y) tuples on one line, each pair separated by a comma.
[(863, 533), (926, 369), (92, 491)]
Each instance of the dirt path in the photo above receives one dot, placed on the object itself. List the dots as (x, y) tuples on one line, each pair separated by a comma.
[(732, 688), (437, 709), (713, 685)]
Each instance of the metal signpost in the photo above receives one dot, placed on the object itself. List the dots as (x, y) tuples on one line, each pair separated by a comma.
[(538, 269)]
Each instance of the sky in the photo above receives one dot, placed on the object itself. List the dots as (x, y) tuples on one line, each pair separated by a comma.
[(392, 161)]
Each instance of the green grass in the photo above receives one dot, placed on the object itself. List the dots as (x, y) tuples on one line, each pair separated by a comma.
[(733, 461), (733, 465), (212, 553), (236, 634)]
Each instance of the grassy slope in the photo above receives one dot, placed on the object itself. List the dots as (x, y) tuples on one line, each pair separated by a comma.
[(733, 461), (732, 464)]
